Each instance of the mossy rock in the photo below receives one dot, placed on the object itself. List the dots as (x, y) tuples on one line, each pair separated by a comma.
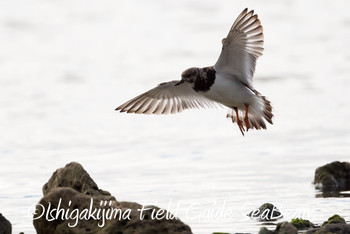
[(302, 223), (334, 219)]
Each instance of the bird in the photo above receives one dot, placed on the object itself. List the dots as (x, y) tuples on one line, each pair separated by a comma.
[(229, 82)]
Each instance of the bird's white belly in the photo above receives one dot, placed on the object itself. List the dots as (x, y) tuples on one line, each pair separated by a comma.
[(229, 92)]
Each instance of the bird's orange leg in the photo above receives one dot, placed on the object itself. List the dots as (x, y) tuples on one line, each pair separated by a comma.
[(239, 122), (246, 120)]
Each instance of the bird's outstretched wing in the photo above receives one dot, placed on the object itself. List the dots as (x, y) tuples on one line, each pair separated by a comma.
[(241, 48), (166, 98)]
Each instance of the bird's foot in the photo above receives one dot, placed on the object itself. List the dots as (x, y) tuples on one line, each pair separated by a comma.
[(239, 122), (241, 127), (246, 119)]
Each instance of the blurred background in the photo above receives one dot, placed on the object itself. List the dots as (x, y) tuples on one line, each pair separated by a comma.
[(66, 65)]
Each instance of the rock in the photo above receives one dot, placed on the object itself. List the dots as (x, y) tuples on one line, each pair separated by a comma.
[(266, 212), (282, 228), (339, 228), (5, 225), (334, 219), (335, 224), (73, 204), (74, 176), (264, 230), (286, 228), (334, 176), (302, 223)]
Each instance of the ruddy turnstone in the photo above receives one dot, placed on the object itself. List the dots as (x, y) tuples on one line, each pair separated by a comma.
[(229, 82)]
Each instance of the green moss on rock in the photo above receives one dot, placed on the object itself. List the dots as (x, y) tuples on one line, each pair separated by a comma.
[(334, 219), (302, 223)]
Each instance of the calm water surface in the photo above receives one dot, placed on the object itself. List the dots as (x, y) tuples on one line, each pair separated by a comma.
[(65, 66)]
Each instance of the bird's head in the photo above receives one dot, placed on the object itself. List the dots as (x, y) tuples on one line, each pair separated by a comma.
[(189, 75)]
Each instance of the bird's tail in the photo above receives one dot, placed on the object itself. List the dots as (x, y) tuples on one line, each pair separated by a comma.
[(258, 112)]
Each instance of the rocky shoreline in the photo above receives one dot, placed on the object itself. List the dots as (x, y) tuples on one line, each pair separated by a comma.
[(72, 203)]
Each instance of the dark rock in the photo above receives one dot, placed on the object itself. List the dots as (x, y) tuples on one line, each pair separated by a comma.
[(338, 228), (264, 230), (335, 224), (282, 228), (334, 219), (5, 225), (334, 176), (286, 228), (71, 197), (302, 223), (74, 176), (266, 212)]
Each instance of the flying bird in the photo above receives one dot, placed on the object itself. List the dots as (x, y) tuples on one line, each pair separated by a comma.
[(229, 82)]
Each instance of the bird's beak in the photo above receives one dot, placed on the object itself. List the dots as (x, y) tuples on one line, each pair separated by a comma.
[(180, 82)]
